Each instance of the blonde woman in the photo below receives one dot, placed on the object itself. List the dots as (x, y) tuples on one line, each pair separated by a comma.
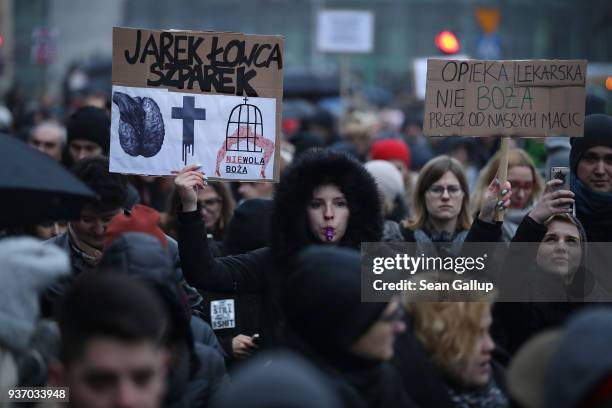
[(527, 186), (452, 349)]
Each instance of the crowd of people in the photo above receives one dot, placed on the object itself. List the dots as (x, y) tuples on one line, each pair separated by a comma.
[(187, 292)]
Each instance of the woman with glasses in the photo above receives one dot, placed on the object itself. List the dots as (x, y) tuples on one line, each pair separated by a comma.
[(441, 220), (216, 206), (526, 182)]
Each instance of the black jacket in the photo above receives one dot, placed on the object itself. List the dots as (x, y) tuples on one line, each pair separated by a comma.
[(326, 318), (421, 379), (253, 272), (516, 322), (232, 314), (198, 369), (265, 270), (57, 290), (193, 385), (419, 376)]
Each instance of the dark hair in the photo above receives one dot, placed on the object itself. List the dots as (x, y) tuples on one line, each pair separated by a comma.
[(228, 204), (109, 305), (92, 124), (111, 188), (289, 226)]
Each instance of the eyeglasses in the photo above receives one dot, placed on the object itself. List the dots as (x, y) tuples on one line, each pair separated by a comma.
[(211, 202), (438, 191), (395, 316), (517, 185)]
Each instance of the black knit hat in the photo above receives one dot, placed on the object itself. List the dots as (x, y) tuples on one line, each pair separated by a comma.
[(249, 227), (597, 132), (323, 299), (92, 124)]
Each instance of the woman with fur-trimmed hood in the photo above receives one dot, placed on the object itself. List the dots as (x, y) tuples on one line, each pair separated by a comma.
[(323, 197)]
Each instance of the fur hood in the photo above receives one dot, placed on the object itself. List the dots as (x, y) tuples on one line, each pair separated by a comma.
[(289, 229)]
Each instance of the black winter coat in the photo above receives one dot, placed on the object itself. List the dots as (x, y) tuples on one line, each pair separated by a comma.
[(264, 271), (421, 379), (516, 322), (58, 289), (253, 272)]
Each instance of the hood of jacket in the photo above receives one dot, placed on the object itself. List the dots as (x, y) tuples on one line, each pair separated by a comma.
[(143, 257), (290, 232)]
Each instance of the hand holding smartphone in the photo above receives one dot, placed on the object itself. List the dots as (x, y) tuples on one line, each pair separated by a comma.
[(563, 174)]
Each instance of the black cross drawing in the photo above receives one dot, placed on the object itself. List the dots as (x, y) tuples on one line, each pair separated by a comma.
[(188, 113)]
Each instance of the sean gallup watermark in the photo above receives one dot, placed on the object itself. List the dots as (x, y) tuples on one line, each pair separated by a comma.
[(472, 285)]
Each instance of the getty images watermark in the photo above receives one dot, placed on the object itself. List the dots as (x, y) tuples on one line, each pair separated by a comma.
[(389, 268), (418, 264)]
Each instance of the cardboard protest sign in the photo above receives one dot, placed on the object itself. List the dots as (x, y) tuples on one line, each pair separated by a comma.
[(532, 98), (184, 97)]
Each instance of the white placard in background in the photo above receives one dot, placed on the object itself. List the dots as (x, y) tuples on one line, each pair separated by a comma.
[(345, 31)]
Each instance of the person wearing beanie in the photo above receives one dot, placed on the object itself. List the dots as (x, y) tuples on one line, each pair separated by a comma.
[(391, 192), (389, 183), (303, 141), (398, 153), (277, 380), (348, 340), (591, 180), (323, 197), (88, 132), (393, 150), (28, 267)]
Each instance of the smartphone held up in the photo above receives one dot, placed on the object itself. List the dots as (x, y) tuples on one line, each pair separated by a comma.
[(563, 174)]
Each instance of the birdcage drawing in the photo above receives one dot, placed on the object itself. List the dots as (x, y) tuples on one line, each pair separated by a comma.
[(243, 127)]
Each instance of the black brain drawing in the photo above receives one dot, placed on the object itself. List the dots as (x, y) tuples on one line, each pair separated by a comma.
[(141, 125)]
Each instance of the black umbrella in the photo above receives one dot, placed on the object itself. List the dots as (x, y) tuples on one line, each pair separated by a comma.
[(34, 188)]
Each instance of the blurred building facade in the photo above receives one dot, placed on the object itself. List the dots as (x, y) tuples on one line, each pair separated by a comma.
[(404, 30)]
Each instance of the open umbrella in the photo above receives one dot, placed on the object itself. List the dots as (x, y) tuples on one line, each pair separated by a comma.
[(34, 188)]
